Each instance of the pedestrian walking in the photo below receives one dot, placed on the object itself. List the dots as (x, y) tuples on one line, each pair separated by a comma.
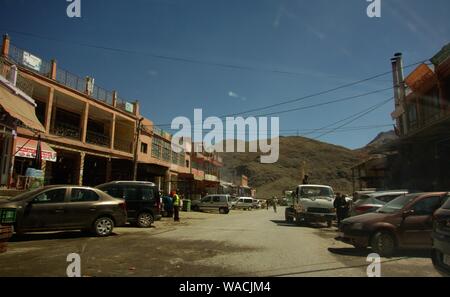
[(274, 204), (342, 208), (267, 204), (176, 206)]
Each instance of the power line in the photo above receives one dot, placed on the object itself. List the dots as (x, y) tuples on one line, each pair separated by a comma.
[(221, 65), (160, 56), (318, 104), (356, 118), (313, 94)]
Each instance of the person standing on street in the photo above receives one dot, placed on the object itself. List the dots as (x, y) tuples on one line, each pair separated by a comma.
[(341, 207), (267, 204), (176, 206), (274, 204)]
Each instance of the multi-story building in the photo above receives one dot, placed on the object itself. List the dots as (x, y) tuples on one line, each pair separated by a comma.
[(157, 161), (89, 131), (203, 175), (420, 158), (90, 135)]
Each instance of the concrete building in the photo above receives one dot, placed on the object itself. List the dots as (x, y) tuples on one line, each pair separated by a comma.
[(420, 158), (91, 136), (91, 130)]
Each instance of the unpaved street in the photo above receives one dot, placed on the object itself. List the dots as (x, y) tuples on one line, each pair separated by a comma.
[(243, 243)]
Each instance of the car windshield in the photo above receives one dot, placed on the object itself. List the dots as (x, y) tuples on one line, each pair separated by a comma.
[(446, 204), (315, 192), (24, 195), (397, 204)]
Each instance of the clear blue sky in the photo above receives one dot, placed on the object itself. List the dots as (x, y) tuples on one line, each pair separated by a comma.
[(328, 43)]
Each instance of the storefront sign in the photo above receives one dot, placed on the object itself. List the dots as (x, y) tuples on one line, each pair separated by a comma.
[(31, 61)]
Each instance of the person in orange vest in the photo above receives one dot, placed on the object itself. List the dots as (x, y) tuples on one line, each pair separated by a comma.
[(176, 206)]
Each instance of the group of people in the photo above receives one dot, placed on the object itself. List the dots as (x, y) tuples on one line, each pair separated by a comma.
[(172, 204)]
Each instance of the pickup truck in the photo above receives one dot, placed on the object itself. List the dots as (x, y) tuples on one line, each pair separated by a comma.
[(311, 203)]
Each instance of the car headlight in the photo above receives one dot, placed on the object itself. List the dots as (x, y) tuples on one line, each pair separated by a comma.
[(357, 226)]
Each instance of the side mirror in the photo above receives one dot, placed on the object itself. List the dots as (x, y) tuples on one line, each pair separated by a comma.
[(408, 213)]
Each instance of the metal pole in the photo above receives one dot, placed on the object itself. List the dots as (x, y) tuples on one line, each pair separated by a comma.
[(136, 147)]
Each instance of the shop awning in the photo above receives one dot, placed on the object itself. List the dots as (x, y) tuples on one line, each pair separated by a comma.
[(26, 148), (20, 109)]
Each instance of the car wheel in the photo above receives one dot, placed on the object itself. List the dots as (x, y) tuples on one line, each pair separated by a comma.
[(222, 210), (103, 226), (383, 243), (145, 220)]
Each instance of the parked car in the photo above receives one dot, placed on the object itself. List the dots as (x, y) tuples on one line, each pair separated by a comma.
[(405, 222), (218, 202), (256, 204), (371, 202), (441, 239), (142, 200), (245, 203), (311, 203), (55, 208)]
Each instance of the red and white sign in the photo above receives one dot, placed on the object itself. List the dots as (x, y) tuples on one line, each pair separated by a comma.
[(26, 148)]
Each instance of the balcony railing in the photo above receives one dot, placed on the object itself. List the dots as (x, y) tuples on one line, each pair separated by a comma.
[(123, 145), (29, 61), (70, 80), (67, 130), (98, 139)]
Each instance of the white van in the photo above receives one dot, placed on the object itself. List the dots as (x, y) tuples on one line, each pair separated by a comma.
[(245, 203), (216, 202)]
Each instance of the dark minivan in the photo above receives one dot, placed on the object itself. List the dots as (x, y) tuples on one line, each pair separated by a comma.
[(142, 199), (441, 239)]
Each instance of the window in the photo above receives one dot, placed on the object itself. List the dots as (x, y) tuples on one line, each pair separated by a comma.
[(112, 191), (166, 153), (387, 198), (83, 195), (412, 116), (51, 196), (131, 193), (427, 206), (144, 148), (148, 193), (216, 199), (156, 147), (206, 199), (447, 203)]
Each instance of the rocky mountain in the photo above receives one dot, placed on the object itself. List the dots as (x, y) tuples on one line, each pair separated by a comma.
[(324, 163)]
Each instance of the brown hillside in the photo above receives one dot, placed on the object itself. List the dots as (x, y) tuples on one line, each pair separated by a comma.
[(325, 164)]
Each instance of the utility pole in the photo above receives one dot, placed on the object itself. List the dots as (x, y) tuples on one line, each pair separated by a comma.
[(136, 147)]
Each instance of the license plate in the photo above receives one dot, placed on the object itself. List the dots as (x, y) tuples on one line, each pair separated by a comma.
[(446, 260)]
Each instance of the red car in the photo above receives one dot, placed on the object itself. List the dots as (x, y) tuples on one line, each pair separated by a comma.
[(405, 222)]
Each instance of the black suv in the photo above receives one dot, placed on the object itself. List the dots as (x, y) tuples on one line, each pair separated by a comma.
[(441, 239), (142, 199)]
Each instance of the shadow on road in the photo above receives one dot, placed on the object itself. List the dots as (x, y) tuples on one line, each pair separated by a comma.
[(52, 236), (304, 225), (365, 252)]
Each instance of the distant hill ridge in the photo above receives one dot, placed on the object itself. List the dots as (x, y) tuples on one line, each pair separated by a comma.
[(325, 164)]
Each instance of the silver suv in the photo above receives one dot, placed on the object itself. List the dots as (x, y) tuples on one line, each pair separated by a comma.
[(220, 202)]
